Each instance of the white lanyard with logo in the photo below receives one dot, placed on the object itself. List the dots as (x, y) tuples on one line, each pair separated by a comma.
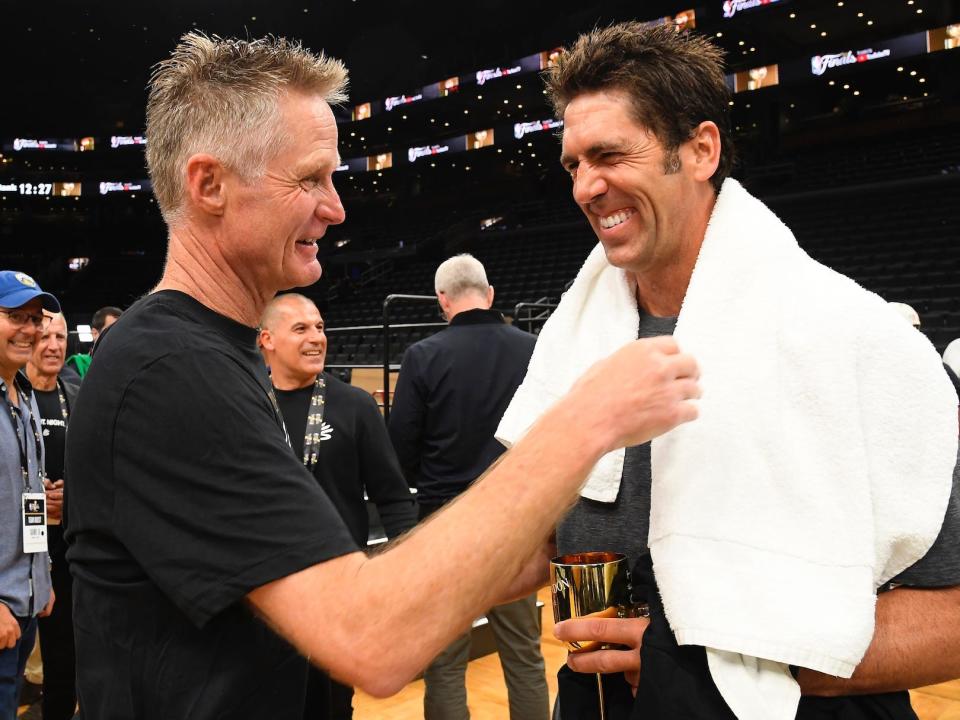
[(34, 504), (312, 436)]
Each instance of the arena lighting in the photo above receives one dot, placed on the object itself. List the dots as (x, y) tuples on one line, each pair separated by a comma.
[(76, 264), (84, 333)]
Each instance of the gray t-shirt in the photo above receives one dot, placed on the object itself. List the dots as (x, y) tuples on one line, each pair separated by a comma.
[(624, 525)]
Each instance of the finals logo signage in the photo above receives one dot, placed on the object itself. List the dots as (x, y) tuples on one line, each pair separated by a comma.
[(494, 73), (819, 64), (732, 7), (415, 153), (524, 128)]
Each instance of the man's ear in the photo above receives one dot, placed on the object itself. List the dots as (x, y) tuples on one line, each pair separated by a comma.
[(444, 305), (266, 340), (205, 183), (704, 150), (490, 297)]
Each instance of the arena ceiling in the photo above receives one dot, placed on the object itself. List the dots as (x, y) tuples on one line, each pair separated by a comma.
[(75, 68)]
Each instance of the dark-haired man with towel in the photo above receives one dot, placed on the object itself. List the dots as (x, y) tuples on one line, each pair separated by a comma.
[(781, 540)]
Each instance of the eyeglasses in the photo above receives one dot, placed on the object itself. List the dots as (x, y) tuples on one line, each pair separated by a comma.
[(22, 317)]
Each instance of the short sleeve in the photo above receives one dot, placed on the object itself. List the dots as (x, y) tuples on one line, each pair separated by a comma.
[(940, 567), (211, 501)]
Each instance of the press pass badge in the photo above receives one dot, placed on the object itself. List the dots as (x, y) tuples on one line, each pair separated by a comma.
[(34, 522)]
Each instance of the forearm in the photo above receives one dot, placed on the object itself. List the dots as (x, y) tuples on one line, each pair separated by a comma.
[(442, 577), (915, 643), (375, 622)]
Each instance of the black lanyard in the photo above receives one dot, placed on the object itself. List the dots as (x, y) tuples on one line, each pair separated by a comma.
[(64, 409), (311, 438), (279, 415), (16, 422)]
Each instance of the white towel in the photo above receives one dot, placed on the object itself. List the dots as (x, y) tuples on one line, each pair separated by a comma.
[(820, 465), (596, 316)]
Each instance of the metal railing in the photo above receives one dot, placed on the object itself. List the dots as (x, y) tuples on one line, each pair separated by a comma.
[(542, 305), (388, 301), (386, 327)]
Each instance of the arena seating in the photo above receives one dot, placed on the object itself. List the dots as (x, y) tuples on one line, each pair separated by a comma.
[(883, 212)]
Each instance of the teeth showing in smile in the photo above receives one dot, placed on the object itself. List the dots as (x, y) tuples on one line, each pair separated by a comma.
[(307, 242), (312, 353), (618, 217)]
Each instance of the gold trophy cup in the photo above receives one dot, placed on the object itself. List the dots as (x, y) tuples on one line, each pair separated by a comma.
[(590, 584)]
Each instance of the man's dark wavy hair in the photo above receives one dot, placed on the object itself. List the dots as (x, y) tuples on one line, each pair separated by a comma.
[(674, 80)]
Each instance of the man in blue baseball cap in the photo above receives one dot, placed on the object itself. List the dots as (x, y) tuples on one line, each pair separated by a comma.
[(25, 591)]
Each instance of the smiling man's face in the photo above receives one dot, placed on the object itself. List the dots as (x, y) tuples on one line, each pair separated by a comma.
[(619, 169)]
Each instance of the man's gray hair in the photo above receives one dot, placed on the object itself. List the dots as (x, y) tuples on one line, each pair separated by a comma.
[(460, 274), (221, 96), (54, 315)]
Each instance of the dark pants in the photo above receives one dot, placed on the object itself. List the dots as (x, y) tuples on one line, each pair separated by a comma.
[(326, 698), (516, 629), (12, 662), (56, 638)]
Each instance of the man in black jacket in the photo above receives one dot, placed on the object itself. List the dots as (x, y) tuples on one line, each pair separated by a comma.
[(452, 391), (55, 391), (339, 433)]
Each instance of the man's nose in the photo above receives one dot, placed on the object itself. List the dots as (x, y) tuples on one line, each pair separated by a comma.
[(588, 185)]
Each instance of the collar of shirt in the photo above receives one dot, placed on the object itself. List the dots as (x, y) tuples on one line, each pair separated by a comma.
[(478, 316)]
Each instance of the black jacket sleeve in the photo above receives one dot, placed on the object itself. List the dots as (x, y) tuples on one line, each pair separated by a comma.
[(407, 416), (380, 472)]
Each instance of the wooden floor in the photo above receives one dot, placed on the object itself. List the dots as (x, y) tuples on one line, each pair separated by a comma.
[(487, 693)]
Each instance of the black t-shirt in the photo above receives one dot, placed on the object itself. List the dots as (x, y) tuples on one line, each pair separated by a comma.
[(355, 454), (53, 427), (184, 496)]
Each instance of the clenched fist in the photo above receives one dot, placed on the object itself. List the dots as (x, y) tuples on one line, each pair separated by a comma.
[(641, 391)]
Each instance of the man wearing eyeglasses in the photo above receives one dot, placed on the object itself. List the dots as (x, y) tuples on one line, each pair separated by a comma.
[(25, 589)]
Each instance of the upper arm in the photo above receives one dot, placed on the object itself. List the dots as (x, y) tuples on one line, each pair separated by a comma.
[(379, 467)]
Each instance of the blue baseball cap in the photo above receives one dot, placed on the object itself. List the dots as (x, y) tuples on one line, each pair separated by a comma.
[(17, 289)]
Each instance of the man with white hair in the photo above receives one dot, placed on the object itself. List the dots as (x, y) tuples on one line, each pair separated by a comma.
[(207, 562), (452, 391)]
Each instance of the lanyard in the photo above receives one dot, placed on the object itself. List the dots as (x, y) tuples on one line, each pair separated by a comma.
[(16, 422), (311, 438), (64, 410), (279, 415)]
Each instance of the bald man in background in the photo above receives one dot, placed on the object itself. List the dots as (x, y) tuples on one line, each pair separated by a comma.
[(338, 432)]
